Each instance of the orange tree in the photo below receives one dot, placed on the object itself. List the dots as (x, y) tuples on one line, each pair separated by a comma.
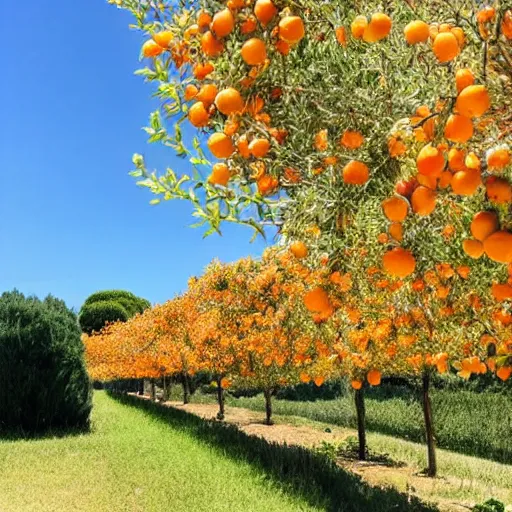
[(384, 133)]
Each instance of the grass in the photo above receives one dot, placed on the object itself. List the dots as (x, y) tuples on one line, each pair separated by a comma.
[(133, 461), (466, 422)]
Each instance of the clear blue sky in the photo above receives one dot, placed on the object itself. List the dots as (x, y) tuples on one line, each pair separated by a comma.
[(71, 219)]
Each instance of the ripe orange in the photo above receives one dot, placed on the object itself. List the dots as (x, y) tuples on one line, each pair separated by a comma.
[(259, 147), (423, 201), (254, 52), (203, 20), (459, 35), (356, 173), (501, 292), (201, 71), (267, 184), (341, 36), (417, 32), (499, 190), (220, 175), (485, 14), (242, 146), (265, 10), (473, 101), (464, 78), (399, 262), (291, 29), (356, 384), (151, 49), (473, 248), (430, 161), (249, 25), (483, 225), (472, 161), (190, 92), (163, 38), (211, 46), (504, 372), (220, 145), (498, 159), (223, 23), (445, 180), (378, 28), (498, 246), (207, 94), (229, 101), (282, 47), (458, 129), (446, 47), (466, 183), (396, 231), (395, 208), (456, 158), (358, 27), (374, 377), (506, 24), (317, 300), (299, 250), (352, 139), (198, 115)]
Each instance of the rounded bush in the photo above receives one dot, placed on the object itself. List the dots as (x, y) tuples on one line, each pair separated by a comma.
[(93, 317), (43, 380)]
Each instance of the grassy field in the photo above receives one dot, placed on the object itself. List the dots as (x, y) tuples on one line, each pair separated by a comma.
[(132, 461), (466, 422)]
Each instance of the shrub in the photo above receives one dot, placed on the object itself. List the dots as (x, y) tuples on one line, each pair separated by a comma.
[(43, 380), (93, 317)]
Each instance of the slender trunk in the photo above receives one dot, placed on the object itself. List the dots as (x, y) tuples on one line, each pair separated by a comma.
[(429, 427), (153, 390), (186, 389), (361, 422), (165, 391), (141, 387), (268, 406), (220, 399)]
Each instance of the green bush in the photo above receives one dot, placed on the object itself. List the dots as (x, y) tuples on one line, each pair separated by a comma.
[(490, 506), (93, 317), (43, 380)]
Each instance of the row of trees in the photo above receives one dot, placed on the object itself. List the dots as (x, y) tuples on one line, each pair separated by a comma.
[(376, 140)]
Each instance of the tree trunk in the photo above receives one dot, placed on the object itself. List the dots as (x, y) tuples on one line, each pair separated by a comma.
[(361, 422), (268, 406), (141, 387), (186, 389), (153, 390), (165, 391), (220, 399), (429, 427)]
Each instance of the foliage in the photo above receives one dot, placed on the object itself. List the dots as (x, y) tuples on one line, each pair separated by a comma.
[(491, 505), (42, 373)]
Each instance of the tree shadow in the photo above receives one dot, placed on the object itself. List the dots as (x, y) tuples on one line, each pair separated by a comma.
[(301, 472), (11, 435)]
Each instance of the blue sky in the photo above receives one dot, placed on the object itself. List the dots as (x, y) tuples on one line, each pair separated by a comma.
[(71, 219)]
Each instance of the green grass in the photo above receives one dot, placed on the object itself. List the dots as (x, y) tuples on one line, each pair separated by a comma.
[(132, 461), (477, 424)]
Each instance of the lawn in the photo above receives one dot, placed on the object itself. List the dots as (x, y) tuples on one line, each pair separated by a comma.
[(132, 461)]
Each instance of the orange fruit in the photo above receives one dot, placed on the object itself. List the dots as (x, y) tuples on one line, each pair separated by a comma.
[(473, 101), (229, 101), (466, 183), (265, 10), (299, 250), (506, 24), (198, 115), (498, 159), (356, 173), (486, 14), (291, 29), (352, 139), (423, 201), (259, 147), (445, 180), (190, 92), (427, 181), (473, 248), (501, 292), (267, 184), (220, 175), (458, 129), (472, 161), (358, 27), (211, 46), (356, 384), (499, 190), (378, 28), (207, 94), (242, 146), (446, 47), (459, 35), (456, 159), (163, 38), (464, 78), (341, 36), (203, 20), (249, 25), (395, 208), (374, 377), (220, 145), (484, 224), (317, 300), (201, 71), (151, 49), (399, 262), (417, 32), (430, 161), (396, 231), (282, 47), (223, 23), (504, 372), (254, 52)]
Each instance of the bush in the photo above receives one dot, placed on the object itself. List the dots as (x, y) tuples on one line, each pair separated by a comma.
[(93, 317), (43, 380)]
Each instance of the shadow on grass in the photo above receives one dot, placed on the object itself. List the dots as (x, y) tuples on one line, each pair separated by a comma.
[(311, 476), (61, 432)]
